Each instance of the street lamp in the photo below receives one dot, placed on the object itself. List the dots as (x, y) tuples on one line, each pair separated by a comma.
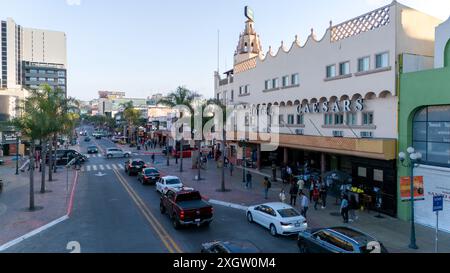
[(18, 135), (414, 160)]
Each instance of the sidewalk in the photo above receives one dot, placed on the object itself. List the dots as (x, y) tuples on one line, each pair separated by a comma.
[(15, 218), (394, 233)]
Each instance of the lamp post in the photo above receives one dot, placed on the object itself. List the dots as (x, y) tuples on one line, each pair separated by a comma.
[(17, 152), (414, 160)]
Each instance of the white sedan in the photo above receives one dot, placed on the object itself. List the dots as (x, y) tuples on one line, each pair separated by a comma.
[(168, 183), (279, 218)]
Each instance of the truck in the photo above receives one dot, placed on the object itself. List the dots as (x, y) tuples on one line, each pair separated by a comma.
[(186, 207)]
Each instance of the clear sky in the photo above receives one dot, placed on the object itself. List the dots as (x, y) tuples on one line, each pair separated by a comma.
[(144, 47)]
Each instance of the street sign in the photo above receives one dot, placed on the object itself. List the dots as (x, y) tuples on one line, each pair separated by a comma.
[(438, 203)]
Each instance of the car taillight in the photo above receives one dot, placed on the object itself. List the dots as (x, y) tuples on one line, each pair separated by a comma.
[(211, 210), (285, 224), (182, 215)]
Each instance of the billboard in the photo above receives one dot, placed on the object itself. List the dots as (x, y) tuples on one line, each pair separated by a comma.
[(405, 188)]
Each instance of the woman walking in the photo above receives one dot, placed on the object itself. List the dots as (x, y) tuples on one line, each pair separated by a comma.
[(294, 192), (344, 209)]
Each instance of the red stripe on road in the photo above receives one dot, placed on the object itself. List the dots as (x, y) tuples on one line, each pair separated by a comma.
[(72, 194)]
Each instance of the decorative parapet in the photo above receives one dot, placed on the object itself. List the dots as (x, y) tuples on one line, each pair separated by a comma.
[(370, 21), (246, 65)]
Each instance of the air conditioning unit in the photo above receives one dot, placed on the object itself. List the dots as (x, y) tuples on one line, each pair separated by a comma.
[(338, 133), (367, 134), (300, 132)]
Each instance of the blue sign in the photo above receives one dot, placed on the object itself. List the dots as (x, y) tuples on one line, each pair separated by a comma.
[(438, 203)]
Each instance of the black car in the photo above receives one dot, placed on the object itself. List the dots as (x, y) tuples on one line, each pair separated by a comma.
[(92, 150), (149, 176), (65, 156), (240, 247), (87, 139), (134, 166), (338, 240)]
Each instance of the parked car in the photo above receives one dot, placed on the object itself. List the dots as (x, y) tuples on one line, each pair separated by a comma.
[(92, 150), (116, 152), (149, 176), (115, 139), (65, 156), (230, 247), (186, 207), (338, 240), (168, 182), (279, 218), (134, 166)]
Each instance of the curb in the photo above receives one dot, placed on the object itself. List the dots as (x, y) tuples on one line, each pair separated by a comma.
[(229, 205)]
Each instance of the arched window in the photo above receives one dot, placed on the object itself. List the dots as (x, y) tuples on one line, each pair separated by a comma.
[(447, 54), (431, 134)]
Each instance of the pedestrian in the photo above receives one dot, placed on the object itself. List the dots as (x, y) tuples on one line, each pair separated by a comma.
[(231, 169), (312, 185), (283, 174), (293, 192), (353, 207), (267, 185), (249, 183), (316, 196), (324, 194), (304, 203), (153, 158), (282, 196), (146, 146), (274, 171), (344, 208), (301, 184)]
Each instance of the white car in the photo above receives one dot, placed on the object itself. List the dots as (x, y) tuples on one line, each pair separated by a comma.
[(168, 183), (115, 152), (279, 218)]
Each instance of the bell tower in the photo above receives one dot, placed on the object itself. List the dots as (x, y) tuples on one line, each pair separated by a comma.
[(249, 43)]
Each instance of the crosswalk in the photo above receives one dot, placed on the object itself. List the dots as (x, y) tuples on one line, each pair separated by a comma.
[(94, 155), (101, 167)]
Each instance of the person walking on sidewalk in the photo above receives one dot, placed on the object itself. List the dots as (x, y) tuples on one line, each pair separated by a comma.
[(249, 183), (353, 207), (294, 193), (301, 184), (267, 185), (324, 194), (312, 186), (231, 169), (344, 208), (153, 159), (316, 196), (282, 196), (304, 203), (274, 171)]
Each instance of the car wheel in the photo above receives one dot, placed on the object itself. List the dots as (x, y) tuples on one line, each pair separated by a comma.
[(162, 209), (250, 217), (175, 222), (273, 230)]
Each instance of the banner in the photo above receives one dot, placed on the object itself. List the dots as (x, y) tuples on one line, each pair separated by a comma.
[(405, 188)]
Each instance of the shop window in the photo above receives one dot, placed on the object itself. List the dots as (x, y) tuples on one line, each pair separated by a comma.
[(362, 172), (431, 135), (368, 119), (290, 119), (351, 119)]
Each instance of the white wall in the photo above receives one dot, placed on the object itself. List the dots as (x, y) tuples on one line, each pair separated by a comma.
[(442, 38), (44, 46)]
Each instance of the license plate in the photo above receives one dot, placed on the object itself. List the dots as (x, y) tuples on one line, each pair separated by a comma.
[(198, 220), (297, 225)]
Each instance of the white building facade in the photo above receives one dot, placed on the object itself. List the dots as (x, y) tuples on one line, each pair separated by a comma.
[(337, 95)]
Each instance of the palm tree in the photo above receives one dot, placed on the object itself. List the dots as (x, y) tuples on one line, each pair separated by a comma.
[(182, 96), (132, 116)]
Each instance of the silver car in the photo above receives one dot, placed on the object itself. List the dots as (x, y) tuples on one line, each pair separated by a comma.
[(117, 153)]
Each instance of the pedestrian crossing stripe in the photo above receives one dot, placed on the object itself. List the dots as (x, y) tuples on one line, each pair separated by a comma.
[(122, 167), (114, 166), (88, 168), (102, 168), (108, 167), (94, 167)]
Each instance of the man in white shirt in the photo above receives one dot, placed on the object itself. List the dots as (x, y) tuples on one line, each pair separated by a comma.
[(304, 203)]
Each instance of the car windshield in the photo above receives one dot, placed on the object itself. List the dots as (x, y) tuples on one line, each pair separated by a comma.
[(138, 163), (287, 213), (173, 181), (151, 171), (93, 147)]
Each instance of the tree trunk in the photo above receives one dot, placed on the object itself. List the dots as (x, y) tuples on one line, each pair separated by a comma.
[(223, 158), (32, 156), (43, 159)]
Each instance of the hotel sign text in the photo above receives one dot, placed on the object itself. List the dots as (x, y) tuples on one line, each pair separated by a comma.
[(335, 107)]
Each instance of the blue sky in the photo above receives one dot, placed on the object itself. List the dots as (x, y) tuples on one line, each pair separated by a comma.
[(144, 47)]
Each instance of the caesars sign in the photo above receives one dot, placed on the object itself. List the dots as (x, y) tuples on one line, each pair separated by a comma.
[(335, 107)]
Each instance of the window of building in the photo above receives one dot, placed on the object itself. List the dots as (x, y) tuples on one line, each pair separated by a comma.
[(50, 72), (339, 119), (431, 135), (344, 68), (285, 81), (241, 90), (247, 89), (331, 71), (351, 118), (363, 64), (61, 74), (382, 60), (300, 120), (42, 79), (232, 95), (218, 96), (42, 71), (50, 79), (295, 79), (267, 84), (367, 118), (281, 119), (61, 81), (328, 119), (275, 83), (33, 71), (291, 119)]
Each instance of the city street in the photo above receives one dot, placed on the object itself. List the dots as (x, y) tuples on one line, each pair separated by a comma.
[(114, 213)]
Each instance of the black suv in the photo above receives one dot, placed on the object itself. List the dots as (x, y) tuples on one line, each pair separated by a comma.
[(338, 240), (134, 166)]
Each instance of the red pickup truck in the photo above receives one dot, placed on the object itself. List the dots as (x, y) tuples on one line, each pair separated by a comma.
[(186, 207)]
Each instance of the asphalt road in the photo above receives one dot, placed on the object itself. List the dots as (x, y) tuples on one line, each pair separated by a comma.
[(114, 213)]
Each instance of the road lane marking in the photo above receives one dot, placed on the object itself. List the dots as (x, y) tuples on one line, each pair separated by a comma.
[(108, 167), (94, 167), (162, 233), (114, 166), (121, 167), (88, 168), (102, 168)]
